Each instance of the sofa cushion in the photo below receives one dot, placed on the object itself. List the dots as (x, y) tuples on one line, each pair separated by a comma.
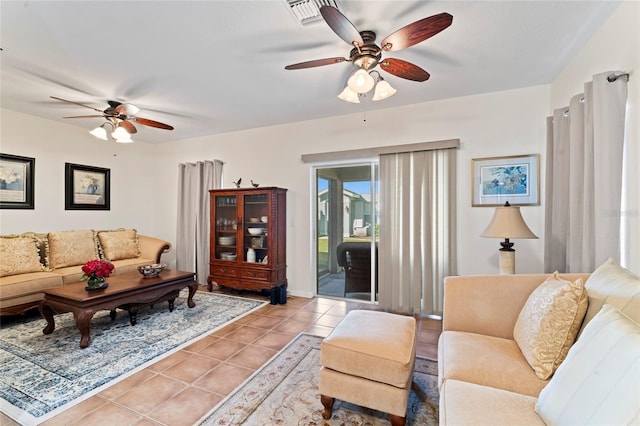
[(19, 254), (549, 322), (612, 284), (471, 404), (598, 382), (15, 286), (486, 360), (119, 244), (71, 248)]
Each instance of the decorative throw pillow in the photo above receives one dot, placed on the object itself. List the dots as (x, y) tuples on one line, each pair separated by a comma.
[(612, 284), (19, 255), (119, 244), (549, 322), (598, 382), (71, 248), (42, 241)]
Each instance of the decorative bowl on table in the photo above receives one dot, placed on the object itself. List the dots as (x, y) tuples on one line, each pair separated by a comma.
[(255, 231), (151, 271)]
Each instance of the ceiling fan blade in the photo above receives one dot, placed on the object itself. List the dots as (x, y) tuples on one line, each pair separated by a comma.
[(404, 69), (341, 25), (127, 109), (151, 123), (315, 63), (76, 103), (417, 32), (128, 126), (85, 116)]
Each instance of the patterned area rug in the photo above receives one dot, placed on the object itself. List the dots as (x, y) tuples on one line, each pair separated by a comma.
[(285, 392), (41, 375)]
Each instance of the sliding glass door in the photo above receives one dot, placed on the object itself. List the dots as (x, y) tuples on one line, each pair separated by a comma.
[(346, 231)]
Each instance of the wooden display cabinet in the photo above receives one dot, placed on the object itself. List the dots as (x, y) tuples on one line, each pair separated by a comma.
[(248, 240)]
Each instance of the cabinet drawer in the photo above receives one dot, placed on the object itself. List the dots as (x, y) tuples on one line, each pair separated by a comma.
[(225, 282), (252, 274), (227, 271)]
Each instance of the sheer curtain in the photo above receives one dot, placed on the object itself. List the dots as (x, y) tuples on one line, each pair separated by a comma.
[(192, 236), (585, 143), (417, 246)]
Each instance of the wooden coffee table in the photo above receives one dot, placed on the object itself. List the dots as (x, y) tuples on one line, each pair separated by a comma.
[(128, 291)]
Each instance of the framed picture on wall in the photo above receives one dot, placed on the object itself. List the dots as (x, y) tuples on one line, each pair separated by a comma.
[(496, 180), (86, 187), (16, 182)]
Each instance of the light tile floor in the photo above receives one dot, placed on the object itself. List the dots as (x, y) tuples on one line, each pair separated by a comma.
[(180, 389)]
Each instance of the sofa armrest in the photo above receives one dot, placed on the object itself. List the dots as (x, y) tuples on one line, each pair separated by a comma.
[(152, 248), (489, 304)]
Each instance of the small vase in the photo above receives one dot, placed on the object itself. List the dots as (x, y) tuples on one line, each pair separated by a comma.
[(96, 283)]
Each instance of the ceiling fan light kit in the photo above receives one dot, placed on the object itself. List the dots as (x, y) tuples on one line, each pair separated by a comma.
[(366, 54)]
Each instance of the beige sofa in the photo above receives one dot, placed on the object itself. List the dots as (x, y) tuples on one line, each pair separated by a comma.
[(31, 263), (485, 378)]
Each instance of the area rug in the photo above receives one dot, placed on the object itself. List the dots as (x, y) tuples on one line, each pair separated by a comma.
[(42, 375), (285, 392)]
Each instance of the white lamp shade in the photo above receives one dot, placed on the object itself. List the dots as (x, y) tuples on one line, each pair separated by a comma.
[(126, 139), (383, 91), (349, 96), (99, 132), (120, 133), (507, 222), (361, 81)]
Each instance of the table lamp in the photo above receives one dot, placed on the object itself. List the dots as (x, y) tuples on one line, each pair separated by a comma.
[(507, 222)]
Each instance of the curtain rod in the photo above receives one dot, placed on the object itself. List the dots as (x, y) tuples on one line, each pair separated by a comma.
[(613, 77)]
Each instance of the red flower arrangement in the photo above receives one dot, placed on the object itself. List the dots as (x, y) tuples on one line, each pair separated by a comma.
[(97, 270)]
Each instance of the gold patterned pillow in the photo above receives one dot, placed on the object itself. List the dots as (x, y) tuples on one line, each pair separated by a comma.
[(19, 255), (549, 322), (71, 248), (119, 244)]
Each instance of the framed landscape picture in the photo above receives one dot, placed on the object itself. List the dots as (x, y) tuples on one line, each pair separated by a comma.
[(86, 187), (515, 179), (16, 182)]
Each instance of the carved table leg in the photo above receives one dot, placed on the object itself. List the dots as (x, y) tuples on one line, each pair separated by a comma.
[(112, 314), (327, 403), (397, 420), (47, 314), (192, 291), (83, 321), (171, 304), (133, 315)]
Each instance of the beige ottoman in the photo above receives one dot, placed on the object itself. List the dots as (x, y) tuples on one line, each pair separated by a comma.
[(368, 360)]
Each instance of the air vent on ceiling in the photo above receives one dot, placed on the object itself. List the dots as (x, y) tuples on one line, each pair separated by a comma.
[(307, 11)]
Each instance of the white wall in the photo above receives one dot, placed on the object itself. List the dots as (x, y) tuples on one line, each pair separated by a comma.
[(53, 144), (616, 46), (495, 124)]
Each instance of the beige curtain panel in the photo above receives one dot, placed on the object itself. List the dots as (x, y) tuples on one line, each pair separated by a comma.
[(585, 143), (192, 236), (417, 229)]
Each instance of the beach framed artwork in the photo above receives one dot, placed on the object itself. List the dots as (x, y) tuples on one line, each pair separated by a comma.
[(496, 180), (16, 182), (87, 187)]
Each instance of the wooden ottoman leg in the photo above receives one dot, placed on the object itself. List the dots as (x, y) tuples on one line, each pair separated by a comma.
[(327, 403), (397, 420)]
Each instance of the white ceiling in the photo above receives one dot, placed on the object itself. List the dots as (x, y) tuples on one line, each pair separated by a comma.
[(210, 67)]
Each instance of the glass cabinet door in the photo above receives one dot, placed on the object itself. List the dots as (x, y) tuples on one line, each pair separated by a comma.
[(256, 232), (226, 217)]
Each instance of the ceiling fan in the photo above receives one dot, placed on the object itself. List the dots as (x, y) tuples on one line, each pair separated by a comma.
[(121, 116), (366, 54)]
